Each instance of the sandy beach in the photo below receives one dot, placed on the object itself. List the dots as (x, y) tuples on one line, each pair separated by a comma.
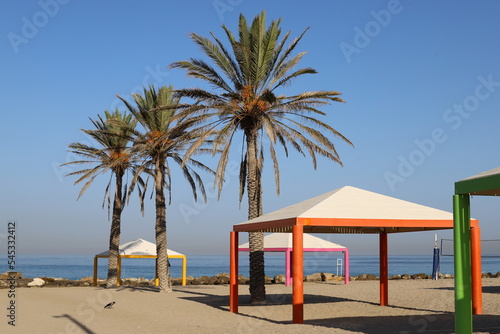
[(416, 306)]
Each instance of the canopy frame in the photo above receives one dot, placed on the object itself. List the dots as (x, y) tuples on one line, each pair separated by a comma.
[(139, 249), (467, 241), (298, 224), (119, 266)]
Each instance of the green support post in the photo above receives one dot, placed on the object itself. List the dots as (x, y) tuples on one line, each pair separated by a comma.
[(463, 278)]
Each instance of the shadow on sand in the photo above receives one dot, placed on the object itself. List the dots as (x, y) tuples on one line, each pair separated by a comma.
[(78, 324), (436, 322)]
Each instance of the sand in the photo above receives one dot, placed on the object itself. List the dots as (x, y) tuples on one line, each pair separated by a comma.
[(416, 306)]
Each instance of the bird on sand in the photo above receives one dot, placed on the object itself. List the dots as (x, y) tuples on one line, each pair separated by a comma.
[(110, 305)]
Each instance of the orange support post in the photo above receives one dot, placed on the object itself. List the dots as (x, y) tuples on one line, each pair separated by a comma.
[(384, 271), (298, 274), (233, 272), (477, 289)]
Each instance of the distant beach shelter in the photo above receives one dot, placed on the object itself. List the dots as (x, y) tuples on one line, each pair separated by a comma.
[(139, 249), (467, 243), (282, 242)]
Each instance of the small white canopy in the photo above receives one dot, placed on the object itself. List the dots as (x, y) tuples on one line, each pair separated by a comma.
[(140, 247), (282, 242)]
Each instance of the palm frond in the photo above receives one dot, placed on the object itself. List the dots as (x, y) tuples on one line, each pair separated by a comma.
[(257, 62)]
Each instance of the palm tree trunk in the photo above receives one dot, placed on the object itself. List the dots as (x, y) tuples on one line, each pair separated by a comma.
[(114, 235), (161, 228), (256, 239)]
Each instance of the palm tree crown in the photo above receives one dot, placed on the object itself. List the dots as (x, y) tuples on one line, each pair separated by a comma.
[(167, 135), (113, 136), (247, 82), (248, 76)]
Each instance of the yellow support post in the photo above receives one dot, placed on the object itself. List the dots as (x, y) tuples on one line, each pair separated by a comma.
[(184, 270)]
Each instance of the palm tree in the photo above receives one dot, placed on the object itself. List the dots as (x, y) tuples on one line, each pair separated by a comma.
[(113, 155), (247, 76), (167, 135)]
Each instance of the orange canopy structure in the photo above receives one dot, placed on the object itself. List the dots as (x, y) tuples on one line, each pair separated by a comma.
[(344, 210)]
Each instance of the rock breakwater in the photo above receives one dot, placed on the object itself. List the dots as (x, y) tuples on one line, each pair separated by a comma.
[(223, 278)]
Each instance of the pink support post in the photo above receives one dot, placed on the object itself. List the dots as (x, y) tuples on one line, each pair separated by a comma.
[(288, 264)]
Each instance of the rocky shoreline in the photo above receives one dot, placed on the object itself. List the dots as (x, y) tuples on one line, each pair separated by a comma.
[(11, 279)]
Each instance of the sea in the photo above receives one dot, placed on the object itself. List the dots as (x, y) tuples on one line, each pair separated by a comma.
[(75, 267)]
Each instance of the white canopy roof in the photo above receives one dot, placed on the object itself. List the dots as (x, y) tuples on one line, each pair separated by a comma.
[(139, 247), (351, 210), (351, 202), (284, 240)]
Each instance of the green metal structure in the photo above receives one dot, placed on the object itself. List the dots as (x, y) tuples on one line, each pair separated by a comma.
[(483, 184)]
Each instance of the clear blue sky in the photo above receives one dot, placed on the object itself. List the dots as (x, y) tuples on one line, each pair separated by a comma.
[(421, 81)]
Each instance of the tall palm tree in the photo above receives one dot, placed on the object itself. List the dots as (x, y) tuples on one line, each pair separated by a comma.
[(113, 136), (247, 76), (167, 136)]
